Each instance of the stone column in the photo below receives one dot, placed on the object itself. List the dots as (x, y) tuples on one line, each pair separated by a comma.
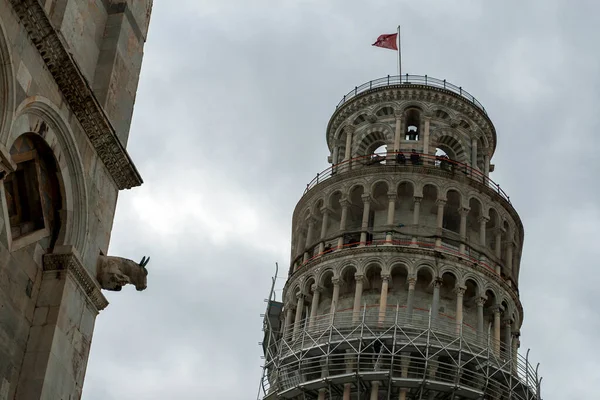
[(335, 296), (324, 374), (398, 134), (486, 165), (366, 198), (498, 249), (410, 301), (309, 238), (509, 258), (507, 338), (416, 212), (405, 362), (348, 155), (482, 228), (300, 243), (515, 349), (435, 304), (288, 322), (497, 313), (385, 279), (350, 357), (335, 155), (315, 304), (441, 203), (464, 211), (374, 390), (58, 345), (480, 301), (426, 135), (392, 196), (460, 292), (298, 319), (357, 297), (474, 153), (325, 212), (345, 203)]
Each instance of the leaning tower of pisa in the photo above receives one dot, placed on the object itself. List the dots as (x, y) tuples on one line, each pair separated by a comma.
[(405, 259)]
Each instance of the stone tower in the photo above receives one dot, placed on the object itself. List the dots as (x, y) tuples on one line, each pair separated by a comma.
[(69, 71), (405, 259)]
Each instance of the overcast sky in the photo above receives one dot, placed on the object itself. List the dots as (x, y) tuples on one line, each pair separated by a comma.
[(229, 126)]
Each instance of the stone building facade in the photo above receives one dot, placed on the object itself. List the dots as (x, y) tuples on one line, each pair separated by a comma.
[(69, 71), (405, 259)]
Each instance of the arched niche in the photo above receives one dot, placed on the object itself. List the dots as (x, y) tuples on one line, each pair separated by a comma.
[(39, 117), (33, 194)]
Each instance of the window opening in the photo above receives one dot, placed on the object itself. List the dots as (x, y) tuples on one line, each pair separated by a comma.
[(442, 160), (379, 155), (23, 199), (413, 120)]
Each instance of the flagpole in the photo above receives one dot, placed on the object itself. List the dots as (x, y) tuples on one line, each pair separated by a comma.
[(399, 56)]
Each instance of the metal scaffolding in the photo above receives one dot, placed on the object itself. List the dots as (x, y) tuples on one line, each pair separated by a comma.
[(423, 357)]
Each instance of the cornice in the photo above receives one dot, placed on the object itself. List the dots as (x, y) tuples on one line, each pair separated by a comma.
[(70, 263), (77, 93)]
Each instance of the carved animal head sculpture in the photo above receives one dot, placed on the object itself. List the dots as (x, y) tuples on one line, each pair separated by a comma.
[(115, 272)]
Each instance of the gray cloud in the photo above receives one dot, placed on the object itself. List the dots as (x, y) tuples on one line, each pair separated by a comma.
[(229, 126)]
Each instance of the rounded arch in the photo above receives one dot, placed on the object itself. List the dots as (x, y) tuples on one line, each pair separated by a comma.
[(451, 144), (372, 137), (441, 113), (290, 294), (334, 197), (40, 116), (325, 275), (472, 288), (399, 265), (372, 265), (454, 191), (385, 111), (316, 206), (379, 186), (406, 185), (7, 85), (355, 188), (362, 117), (425, 268), (307, 284), (450, 269), (492, 297), (346, 269), (475, 280)]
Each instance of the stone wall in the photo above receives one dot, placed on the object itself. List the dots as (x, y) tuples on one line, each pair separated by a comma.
[(49, 296)]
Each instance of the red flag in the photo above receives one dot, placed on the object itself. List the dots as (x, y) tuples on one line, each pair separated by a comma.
[(387, 41)]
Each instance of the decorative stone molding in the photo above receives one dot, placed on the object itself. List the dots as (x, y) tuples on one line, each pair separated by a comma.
[(413, 92), (78, 93), (460, 290), (299, 275), (366, 176), (70, 263)]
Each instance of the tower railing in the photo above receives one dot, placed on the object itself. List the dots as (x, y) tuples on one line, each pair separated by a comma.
[(399, 159), (397, 347), (406, 79)]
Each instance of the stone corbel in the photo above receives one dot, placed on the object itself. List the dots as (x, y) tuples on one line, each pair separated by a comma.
[(66, 259)]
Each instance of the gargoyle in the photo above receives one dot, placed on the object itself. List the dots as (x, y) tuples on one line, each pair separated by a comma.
[(115, 272)]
